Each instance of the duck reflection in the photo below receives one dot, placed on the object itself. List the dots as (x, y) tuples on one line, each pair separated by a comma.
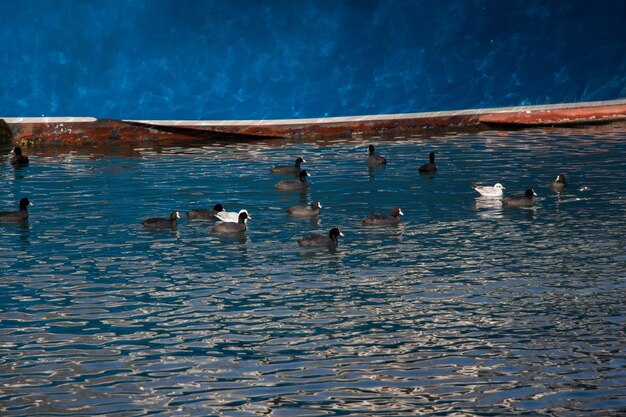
[(489, 207), (374, 170)]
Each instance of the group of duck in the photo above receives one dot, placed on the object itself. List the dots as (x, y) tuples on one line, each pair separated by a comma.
[(18, 160), (236, 222)]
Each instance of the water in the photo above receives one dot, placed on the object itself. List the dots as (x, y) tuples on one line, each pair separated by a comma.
[(466, 308)]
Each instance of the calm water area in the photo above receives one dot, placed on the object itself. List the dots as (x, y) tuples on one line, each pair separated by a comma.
[(467, 308)]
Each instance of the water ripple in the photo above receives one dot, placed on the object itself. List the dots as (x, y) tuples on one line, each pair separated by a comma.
[(466, 307)]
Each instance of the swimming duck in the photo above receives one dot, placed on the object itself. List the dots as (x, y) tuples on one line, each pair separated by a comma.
[(429, 168), (230, 216), (559, 183), (374, 159), (288, 169), (525, 200), (16, 216), (161, 222), (305, 211), (320, 240), (231, 228), (488, 191), (18, 159), (204, 214), (300, 184), (383, 219)]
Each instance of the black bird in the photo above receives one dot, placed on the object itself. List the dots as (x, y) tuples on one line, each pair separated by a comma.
[(16, 216), (374, 159), (320, 240), (429, 168), (205, 214), (230, 228), (300, 184), (525, 200), (288, 169), (161, 222), (383, 219), (306, 211), (559, 183), (18, 159)]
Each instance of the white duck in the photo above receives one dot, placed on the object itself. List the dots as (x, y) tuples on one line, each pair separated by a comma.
[(487, 191), (231, 216)]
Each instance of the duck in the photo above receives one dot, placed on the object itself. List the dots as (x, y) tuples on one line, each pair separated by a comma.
[(230, 227), (18, 159), (430, 167), (17, 216), (374, 159), (321, 240), (488, 191), (161, 222), (288, 169), (559, 183), (383, 219), (205, 214), (230, 216), (299, 184), (306, 211), (525, 200)]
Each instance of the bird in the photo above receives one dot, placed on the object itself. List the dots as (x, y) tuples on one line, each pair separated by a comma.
[(306, 211), (429, 168), (383, 219), (230, 227), (18, 159), (230, 216), (299, 184), (204, 214), (288, 169), (161, 222), (559, 183), (525, 200), (374, 159), (16, 216), (488, 191), (321, 240)]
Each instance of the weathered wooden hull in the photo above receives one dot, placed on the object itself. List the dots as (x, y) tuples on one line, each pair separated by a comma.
[(73, 131)]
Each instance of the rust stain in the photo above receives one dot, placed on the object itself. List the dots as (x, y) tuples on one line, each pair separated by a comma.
[(557, 116), (347, 128), (107, 131)]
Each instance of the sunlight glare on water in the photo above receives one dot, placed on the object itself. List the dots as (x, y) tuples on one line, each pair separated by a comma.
[(465, 307)]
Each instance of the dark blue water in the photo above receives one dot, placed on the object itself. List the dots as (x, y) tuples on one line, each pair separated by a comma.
[(245, 59), (465, 308)]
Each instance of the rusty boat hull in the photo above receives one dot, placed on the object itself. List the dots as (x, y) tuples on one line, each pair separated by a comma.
[(88, 130)]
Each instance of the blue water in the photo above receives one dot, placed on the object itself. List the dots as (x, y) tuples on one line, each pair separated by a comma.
[(248, 59), (465, 308)]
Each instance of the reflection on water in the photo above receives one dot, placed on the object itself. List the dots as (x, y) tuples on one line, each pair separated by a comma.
[(489, 207), (465, 307)]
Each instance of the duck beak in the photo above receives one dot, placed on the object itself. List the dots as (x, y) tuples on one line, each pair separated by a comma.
[(401, 213), (30, 203), (340, 234), (535, 194), (177, 215), (303, 160)]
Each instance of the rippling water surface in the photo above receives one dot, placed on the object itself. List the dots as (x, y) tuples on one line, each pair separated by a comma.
[(466, 308)]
